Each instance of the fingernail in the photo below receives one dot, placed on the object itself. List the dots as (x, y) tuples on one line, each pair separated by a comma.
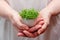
[(39, 32), (24, 31), (18, 34)]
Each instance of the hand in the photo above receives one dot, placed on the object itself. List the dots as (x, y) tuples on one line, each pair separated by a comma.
[(46, 15), (16, 21), (41, 22), (7, 12), (52, 9)]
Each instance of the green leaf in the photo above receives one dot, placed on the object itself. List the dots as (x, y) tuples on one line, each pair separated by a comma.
[(29, 13)]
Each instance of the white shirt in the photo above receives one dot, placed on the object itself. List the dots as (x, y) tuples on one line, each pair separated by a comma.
[(7, 31)]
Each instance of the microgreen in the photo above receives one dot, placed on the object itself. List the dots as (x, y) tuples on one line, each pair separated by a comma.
[(28, 13)]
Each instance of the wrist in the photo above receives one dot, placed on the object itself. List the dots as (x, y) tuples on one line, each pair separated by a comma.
[(46, 11), (12, 14)]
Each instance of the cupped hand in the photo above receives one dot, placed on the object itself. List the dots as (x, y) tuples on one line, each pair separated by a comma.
[(46, 15), (40, 24), (16, 21)]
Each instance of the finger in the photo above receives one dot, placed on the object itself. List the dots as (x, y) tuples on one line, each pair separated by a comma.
[(28, 34), (39, 25), (21, 34), (33, 29), (38, 20), (42, 29)]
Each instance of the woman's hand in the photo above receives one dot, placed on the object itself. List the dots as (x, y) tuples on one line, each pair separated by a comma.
[(16, 21), (15, 18), (52, 9), (46, 15), (41, 22), (12, 15)]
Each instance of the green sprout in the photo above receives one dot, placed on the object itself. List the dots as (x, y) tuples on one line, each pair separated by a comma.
[(28, 13)]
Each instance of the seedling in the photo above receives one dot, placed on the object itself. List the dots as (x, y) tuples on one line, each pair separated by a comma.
[(29, 14)]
